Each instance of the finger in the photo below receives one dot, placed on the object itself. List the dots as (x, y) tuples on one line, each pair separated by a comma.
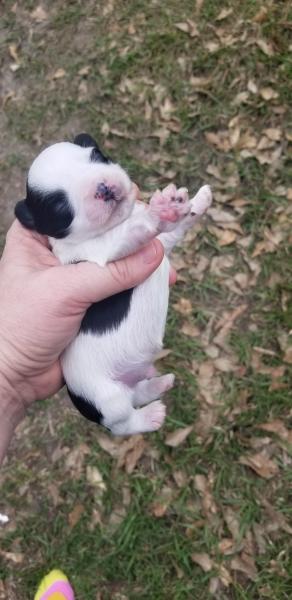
[(86, 282)]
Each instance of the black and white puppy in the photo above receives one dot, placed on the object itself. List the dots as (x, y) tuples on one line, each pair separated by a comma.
[(86, 204)]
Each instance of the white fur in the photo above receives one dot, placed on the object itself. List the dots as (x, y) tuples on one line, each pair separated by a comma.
[(115, 370)]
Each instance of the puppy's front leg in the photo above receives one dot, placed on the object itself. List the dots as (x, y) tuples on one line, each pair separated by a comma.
[(165, 210), (198, 206)]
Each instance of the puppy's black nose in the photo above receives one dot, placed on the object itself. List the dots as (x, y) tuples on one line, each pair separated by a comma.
[(103, 192)]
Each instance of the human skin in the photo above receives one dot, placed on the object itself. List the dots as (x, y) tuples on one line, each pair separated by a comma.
[(42, 304)]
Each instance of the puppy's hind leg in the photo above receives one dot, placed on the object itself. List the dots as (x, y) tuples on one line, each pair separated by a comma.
[(120, 416), (148, 390), (141, 420)]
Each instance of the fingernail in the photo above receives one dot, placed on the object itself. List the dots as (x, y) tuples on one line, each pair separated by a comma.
[(149, 253)]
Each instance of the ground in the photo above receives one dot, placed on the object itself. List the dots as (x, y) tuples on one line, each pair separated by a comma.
[(193, 92)]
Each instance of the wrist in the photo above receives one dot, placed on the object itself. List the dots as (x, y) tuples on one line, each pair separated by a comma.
[(12, 412)]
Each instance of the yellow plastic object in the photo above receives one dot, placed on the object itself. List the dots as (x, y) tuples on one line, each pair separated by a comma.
[(47, 582)]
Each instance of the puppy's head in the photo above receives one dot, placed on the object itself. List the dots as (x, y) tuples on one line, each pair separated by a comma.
[(74, 190)]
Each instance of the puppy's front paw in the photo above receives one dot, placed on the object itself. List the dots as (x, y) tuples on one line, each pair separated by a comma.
[(201, 201), (169, 206)]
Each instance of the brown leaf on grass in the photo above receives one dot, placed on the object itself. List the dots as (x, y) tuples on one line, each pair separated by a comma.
[(159, 507), (226, 323), (198, 270), (205, 422), (163, 353), (200, 82), (245, 563), (261, 15), (177, 437), (109, 445), (267, 93), (203, 560), (59, 73), (265, 47), (224, 13), (134, 454), (276, 520), (203, 486), (288, 355), (75, 459), (94, 478), (183, 306), (189, 27), (16, 557), (116, 517), (180, 478), (225, 237), (178, 262), (39, 14), (75, 515), (232, 522), (261, 464), (13, 51), (190, 330), (220, 140), (277, 426)]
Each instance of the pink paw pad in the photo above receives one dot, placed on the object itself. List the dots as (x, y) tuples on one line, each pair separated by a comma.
[(170, 204), (154, 415)]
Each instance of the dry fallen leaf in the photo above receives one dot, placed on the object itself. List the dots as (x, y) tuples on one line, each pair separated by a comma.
[(189, 27), (39, 14), (190, 330), (261, 464), (277, 426), (59, 73), (203, 560), (183, 306), (267, 93), (224, 13), (74, 515), (94, 478), (288, 355), (177, 437), (15, 557), (244, 563), (159, 507), (13, 51), (265, 47)]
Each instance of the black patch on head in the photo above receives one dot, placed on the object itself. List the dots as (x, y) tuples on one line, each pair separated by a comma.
[(86, 141), (48, 213), (107, 314), (88, 410), (24, 215), (97, 156)]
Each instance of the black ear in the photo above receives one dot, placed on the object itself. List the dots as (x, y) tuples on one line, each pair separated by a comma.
[(48, 213), (86, 141), (24, 215)]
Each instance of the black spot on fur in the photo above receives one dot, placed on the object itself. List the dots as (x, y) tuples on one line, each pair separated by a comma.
[(87, 410), (107, 314), (86, 141), (48, 213)]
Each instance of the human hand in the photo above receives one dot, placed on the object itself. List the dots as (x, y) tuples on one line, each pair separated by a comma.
[(42, 304)]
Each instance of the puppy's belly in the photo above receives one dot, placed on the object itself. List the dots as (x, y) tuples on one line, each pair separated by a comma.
[(125, 350)]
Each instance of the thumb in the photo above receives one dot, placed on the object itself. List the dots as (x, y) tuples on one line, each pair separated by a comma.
[(87, 282)]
